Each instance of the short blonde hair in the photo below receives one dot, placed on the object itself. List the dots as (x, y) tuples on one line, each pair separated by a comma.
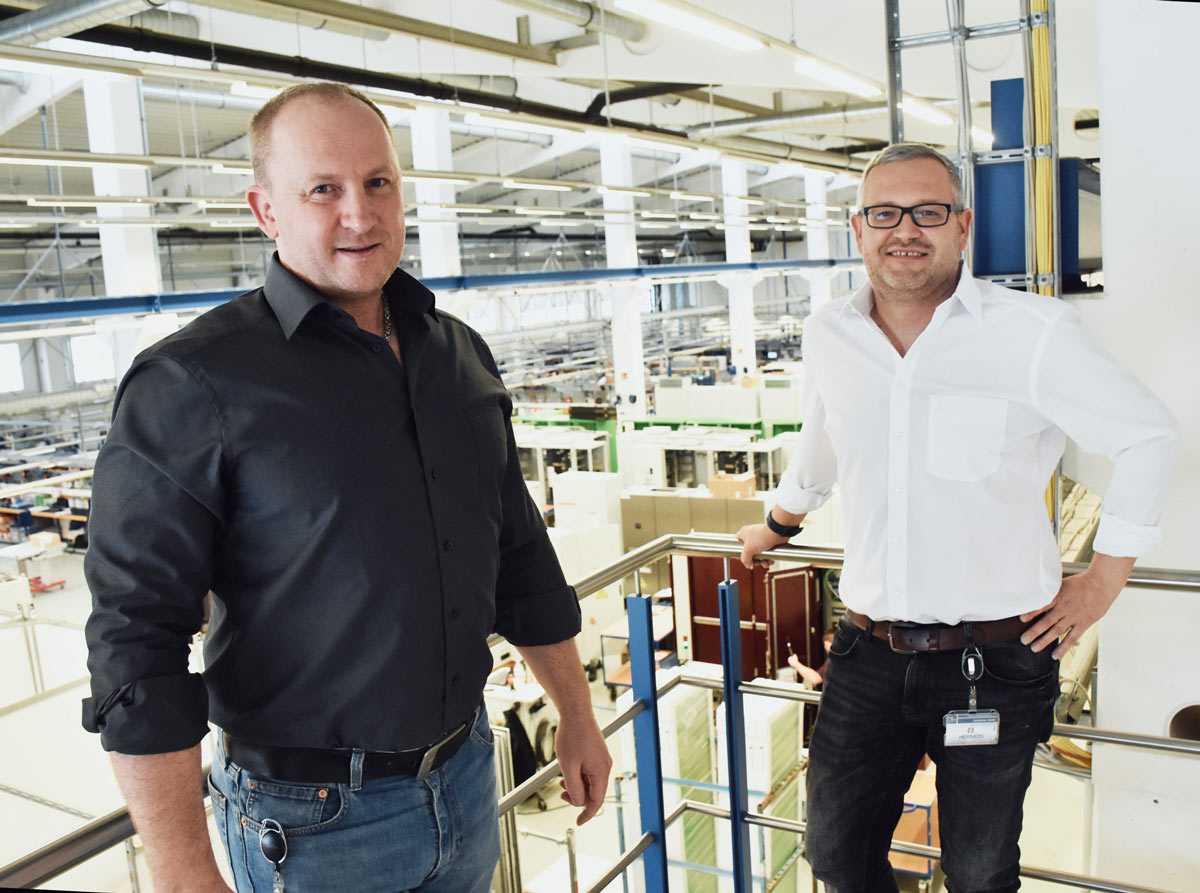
[(915, 152), (264, 118)]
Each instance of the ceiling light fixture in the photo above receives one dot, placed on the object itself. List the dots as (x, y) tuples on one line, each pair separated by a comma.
[(564, 223), (253, 91), (545, 212), (692, 197), (513, 124), (919, 108), (240, 171), (676, 16), (225, 206), (51, 161), (436, 178), (985, 137), (85, 203), (525, 184), (658, 215), (837, 77), (622, 190)]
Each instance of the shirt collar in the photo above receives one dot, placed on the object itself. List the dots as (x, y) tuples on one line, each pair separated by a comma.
[(966, 293), (292, 299)]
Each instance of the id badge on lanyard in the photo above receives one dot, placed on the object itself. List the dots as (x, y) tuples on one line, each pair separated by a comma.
[(971, 726)]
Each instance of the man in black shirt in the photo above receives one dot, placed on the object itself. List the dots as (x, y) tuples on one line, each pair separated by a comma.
[(332, 458)]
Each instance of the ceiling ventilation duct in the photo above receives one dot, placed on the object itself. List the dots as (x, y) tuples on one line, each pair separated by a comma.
[(68, 17), (587, 16)]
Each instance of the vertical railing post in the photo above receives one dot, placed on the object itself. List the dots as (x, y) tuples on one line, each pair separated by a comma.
[(646, 743), (735, 729)]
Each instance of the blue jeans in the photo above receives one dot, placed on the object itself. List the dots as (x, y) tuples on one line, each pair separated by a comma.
[(439, 835), (880, 713)]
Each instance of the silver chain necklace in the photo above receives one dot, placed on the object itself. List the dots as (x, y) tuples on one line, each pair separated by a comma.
[(387, 322)]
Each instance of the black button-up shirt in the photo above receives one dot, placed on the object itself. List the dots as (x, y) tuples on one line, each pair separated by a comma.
[(362, 524)]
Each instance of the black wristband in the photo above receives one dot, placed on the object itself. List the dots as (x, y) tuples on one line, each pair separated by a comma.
[(779, 529)]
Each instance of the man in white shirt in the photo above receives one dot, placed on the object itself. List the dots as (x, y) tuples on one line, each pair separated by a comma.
[(942, 404)]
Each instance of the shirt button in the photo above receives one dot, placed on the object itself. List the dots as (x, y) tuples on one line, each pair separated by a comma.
[(454, 680), (433, 473), (454, 614), (376, 347), (448, 545)]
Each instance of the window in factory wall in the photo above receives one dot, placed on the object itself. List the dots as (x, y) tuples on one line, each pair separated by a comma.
[(92, 358), (11, 376)]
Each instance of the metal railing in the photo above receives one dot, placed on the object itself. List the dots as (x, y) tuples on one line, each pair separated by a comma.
[(106, 831)]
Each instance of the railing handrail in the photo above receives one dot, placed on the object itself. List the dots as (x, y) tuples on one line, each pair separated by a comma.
[(106, 831)]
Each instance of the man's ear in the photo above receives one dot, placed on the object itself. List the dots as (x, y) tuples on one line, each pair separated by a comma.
[(260, 204)]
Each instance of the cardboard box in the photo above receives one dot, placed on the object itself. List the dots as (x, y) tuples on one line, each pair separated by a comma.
[(732, 486), (708, 514)]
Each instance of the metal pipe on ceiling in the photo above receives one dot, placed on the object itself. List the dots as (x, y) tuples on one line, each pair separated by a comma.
[(298, 17), (764, 122), (211, 99), (588, 16), (65, 17)]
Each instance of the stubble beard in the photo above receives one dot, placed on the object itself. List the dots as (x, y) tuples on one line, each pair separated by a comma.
[(933, 283)]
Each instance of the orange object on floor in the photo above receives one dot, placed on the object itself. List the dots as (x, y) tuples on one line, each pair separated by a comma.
[(36, 585)]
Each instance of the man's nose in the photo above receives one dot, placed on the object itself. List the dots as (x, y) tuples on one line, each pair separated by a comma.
[(357, 213), (907, 227)]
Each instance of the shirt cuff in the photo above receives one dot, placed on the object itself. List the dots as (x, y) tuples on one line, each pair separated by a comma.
[(543, 619), (160, 714), (1124, 539), (796, 500)]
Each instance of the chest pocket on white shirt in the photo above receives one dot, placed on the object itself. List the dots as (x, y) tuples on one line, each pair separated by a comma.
[(966, 436)]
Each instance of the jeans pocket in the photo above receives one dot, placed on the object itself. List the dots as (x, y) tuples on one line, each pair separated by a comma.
[(1015, 664), (481, 730), (299, 808), (219, 805), (845, 639)]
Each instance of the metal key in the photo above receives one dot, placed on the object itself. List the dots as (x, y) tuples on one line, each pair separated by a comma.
[(273, 844)]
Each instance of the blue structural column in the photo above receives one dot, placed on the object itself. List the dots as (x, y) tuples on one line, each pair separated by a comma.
[(645, 732), (735, 729)]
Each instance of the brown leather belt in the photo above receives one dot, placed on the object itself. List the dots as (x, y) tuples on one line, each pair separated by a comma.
[(308, 765), (909, 638)]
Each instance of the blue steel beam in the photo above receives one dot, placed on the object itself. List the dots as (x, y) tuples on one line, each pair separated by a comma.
[(646, 743), (27, 312)]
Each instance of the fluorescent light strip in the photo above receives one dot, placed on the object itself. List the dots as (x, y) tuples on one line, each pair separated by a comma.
[(919, 108), (843, 80), (691, 197), (236, 171), (548, 187), (17, 225), (513, 124), (436, 178), (232, 224), (655, 225), (224, 206), (458, 210), (680, 18), (87, 203), (658, 215), (621, 190), (71, 162), (535, 212), (564, 223), (697, 216), (982, 136)]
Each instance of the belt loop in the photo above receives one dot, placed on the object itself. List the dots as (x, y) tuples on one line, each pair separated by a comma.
[(968, 634), (870, 627), (356, 766)]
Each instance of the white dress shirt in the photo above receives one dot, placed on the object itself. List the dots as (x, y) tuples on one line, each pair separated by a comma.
[(943, 455)]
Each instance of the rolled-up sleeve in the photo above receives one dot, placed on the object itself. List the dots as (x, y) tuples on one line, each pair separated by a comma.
[(156, 513), (1100, 405)]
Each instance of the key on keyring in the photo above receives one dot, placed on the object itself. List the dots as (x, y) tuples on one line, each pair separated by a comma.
[(274, 847)]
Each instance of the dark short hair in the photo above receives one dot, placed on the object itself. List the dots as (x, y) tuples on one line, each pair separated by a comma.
[(264, 118), (915, 152)]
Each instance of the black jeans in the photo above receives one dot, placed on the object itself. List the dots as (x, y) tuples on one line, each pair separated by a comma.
[(880, 713)]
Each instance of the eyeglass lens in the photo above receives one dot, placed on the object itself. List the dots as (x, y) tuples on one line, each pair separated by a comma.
[(889, 216)]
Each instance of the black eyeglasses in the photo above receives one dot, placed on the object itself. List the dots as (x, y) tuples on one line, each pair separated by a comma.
[(889, 216)]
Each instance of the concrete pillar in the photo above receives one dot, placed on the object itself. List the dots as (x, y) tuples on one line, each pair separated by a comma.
[(740, 286), (437, 230), (820, 282), (114, 121), (45, 376), (620, 243), (1147, 805)]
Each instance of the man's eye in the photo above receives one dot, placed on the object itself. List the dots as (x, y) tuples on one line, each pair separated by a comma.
[(883, 214), (322, 189), (376, 182)]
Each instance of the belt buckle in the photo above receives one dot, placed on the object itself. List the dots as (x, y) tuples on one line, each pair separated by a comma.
[(900, 624), (427, 761)]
